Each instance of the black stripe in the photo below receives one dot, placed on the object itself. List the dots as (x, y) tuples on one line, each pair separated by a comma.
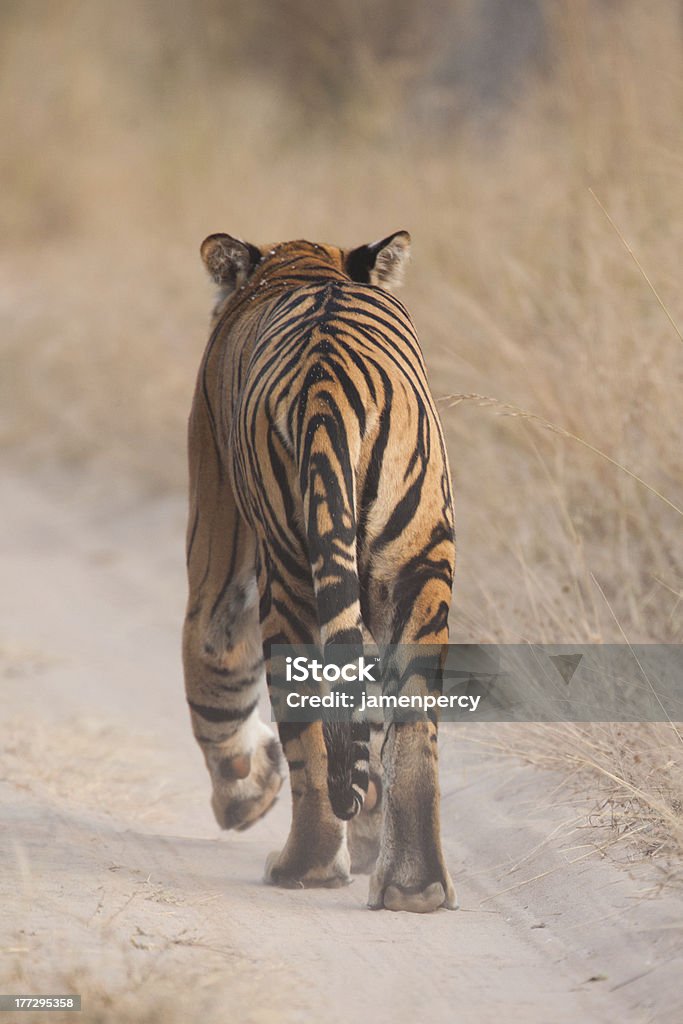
[(222, 714), (225, 673), (436, 624)]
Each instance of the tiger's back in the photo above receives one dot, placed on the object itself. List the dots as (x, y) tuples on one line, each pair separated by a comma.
[(320, 455)]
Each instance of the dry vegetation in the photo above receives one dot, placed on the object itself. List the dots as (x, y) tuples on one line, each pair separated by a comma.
[(146, 130), (138, 984)]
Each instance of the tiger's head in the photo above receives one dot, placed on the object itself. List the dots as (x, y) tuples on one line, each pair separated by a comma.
[(232, 262)]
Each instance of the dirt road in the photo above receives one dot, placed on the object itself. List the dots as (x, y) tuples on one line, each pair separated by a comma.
[(116, 883)]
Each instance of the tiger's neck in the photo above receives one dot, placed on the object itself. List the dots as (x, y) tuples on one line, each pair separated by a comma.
[(286, 271)]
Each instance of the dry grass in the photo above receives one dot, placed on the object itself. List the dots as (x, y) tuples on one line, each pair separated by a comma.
[(523, 287), (635, 771), (154, 982)]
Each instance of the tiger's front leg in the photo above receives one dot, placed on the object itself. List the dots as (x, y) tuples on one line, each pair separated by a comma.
[(316, 852)]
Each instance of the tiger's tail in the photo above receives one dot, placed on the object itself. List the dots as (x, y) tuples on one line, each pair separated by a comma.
[(347, 736), (327, 485), (347, 744)]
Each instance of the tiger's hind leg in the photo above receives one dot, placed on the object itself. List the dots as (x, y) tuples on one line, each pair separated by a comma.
[(411, 872), (224, 675)]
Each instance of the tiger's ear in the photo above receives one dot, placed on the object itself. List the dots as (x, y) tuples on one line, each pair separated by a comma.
[(228, 260), (381, 263)]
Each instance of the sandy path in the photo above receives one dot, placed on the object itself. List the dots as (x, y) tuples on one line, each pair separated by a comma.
[(115, 882)]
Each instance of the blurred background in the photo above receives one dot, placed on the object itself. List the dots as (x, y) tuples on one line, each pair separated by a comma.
[(132, 130)]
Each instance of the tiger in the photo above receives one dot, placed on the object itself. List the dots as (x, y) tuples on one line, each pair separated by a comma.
[(320, 512)]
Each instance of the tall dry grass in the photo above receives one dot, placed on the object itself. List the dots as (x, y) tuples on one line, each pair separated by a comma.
[(540, 236)]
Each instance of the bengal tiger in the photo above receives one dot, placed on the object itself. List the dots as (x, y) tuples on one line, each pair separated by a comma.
[(320, 513)]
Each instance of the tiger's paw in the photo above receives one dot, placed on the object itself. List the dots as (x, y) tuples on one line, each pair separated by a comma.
[(282, 872), (387, 893), (245, 785)]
